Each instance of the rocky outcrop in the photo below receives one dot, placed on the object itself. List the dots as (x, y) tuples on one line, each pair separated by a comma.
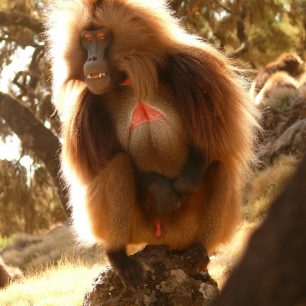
[(169, 279), (284, 131)]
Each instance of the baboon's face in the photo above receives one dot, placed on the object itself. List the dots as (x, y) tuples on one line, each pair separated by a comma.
[(99, 73)]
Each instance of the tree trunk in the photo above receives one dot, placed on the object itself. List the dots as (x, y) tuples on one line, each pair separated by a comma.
[(35, 137), (273, 270), (29, 215)]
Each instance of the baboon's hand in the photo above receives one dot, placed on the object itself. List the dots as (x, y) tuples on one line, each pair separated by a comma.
[(128, 269), (166, 199)]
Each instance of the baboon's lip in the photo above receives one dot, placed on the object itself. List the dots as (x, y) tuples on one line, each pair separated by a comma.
[(96, 75)]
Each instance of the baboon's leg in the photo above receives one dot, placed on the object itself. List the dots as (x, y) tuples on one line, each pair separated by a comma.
[(221, 206), (111, 203)]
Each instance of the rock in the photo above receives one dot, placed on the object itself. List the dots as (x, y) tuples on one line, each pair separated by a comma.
[(292, 141), (169, 279), (302, 87), (272, 271), (284, 131)]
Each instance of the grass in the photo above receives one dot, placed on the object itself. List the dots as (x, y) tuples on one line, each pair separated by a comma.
[(67, 282), (4, 241), (48, 249), (267, 185), (64, 284)]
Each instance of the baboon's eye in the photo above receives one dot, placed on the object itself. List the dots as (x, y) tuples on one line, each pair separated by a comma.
[(100, 35), (88, 36)]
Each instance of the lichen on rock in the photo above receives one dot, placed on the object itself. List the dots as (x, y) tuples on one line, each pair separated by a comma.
[(168, 279)]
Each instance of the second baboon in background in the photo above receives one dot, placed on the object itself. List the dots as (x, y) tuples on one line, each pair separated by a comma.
[(289, 63)]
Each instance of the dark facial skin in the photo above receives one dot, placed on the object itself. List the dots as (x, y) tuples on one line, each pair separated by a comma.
[(99, 75)]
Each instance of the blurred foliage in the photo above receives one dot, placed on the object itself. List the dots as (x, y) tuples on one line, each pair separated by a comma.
[(31, 86), (268, 27), (4, 241), (255, 31), (263, 190), (28, 200)]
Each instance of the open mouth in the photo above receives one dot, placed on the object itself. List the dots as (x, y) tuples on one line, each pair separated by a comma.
[(96, 75)]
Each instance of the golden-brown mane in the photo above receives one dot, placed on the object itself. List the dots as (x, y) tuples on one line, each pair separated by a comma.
[(152, 33), (158, 35)]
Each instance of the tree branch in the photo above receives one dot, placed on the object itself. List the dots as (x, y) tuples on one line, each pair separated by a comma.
[(228, 10), (35, 137), (175, 4), (241, 33), (242, 49), (16, 19)]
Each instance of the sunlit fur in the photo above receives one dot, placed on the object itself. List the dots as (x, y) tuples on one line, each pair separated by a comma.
[(210, 98), (279, 89)]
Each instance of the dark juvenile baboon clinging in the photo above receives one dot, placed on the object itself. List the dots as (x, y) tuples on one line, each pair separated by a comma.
[(157, 130)]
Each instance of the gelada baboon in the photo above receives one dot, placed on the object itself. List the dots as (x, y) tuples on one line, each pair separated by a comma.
[(289, 63), (157, 130), (280, 88)]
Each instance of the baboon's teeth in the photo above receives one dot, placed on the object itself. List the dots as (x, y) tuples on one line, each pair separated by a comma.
[(96, 75)]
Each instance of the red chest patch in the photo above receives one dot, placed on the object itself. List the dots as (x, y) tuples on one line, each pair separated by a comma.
[(145, 113)]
